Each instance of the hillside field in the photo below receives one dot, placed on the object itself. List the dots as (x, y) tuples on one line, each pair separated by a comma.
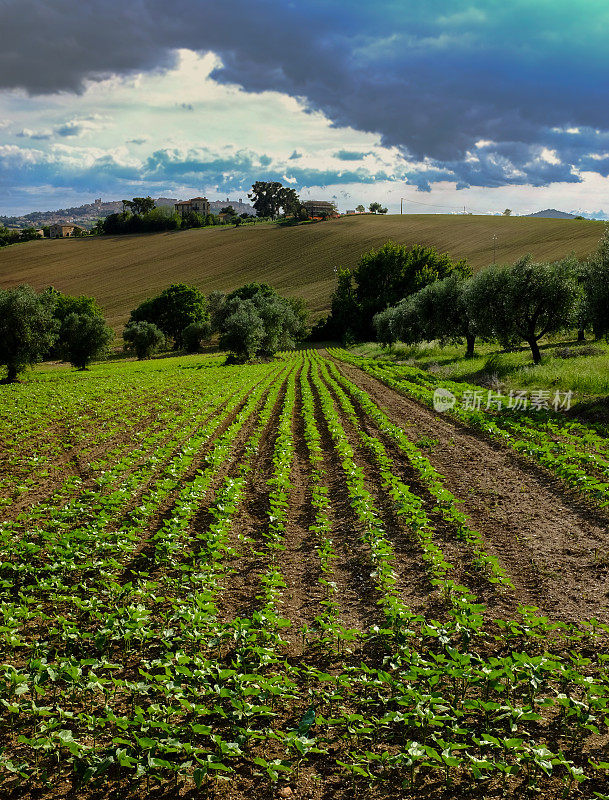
[(121, 271)]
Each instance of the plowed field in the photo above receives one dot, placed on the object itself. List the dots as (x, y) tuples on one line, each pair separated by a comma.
[(121, 271), (296, 579)]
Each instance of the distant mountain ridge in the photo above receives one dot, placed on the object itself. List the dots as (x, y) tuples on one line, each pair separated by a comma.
[(552, 213)]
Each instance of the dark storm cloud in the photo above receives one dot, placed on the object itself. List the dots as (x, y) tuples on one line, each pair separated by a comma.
[(431, 79)]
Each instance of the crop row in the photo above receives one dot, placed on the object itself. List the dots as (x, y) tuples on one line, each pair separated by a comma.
[(123, 664), (559, 445), (445, 501)]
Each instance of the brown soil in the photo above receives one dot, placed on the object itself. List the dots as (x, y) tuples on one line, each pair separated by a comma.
[(413, 582), (143, 555), (551, 543), (242, 585), (300, 565), (76, 462), (534, 526)]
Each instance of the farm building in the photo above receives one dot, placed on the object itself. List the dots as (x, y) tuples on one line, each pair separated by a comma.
[(58, 231), (200, 205)]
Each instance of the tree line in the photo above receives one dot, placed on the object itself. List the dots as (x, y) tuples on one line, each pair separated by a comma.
[(415, 294), (270, 199), (11, 236), (253, 321), (49, 325), (140, 215)]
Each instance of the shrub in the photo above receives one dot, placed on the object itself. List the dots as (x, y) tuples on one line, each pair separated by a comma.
[(62, 306), (384, 326), (84, 337), (242, 331), (384, 278), (173, 310), (194, 334), (27, 329), (143, 338), (255, 320)]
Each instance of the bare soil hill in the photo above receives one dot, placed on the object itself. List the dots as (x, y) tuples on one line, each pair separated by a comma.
[(121, 271)]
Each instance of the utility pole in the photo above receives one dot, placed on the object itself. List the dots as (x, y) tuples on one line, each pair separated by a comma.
[(401, 205)]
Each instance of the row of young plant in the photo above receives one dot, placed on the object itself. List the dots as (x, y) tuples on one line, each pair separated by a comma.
[(444, 501), (84, 419), (147, 450), (256, 638), (160, 688), (568, 459), (131, 626), (373, 535), (83, 544), (458, 749), (202, 631), (84, 534), (328, 622)]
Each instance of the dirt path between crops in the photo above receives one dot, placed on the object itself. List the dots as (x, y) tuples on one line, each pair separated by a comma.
[(356, 593), (552, 545), (414, 583), (300, 563), (242, 583), (463, 570)]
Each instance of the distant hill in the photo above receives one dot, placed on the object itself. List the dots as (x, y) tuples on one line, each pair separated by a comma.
[(165, 201), (121, 271), (88, 214), (85, 216), (552, 213)]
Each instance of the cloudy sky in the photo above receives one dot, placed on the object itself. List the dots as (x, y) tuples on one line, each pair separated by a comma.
[(447, 103)]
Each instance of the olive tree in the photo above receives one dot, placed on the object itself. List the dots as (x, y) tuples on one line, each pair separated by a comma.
[(442, 313), (173, 310), (595, 284), (62, 305), (27, 329), (242, 331), (385, 277), (215, 306), (255, 320), (143, 338), (400, 323), (385, 328), (84, 337), (194, 334), (522, 302)]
